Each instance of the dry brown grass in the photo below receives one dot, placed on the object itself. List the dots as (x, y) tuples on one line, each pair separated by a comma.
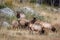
[(6, 34)]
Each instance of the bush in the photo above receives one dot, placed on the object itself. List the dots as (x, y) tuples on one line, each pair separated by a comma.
[(41, 18), (2, 6), (32, 1), (10, 19), (29, 16), (7, 18)]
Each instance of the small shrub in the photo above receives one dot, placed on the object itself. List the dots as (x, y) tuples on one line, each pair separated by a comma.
[(7, 18), (2, 6), (41, 18), (32, 1), (29, 16), (10, 19)]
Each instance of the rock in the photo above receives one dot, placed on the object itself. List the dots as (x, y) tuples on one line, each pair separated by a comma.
[(7, 11), (28, 9), (55, 10), (5, 24), (48, 8), (37, 5)]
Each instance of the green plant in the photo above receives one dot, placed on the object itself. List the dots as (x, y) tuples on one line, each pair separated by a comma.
[(32, 1), (7, 18), (10, 19), (2, 6), (29, 16)]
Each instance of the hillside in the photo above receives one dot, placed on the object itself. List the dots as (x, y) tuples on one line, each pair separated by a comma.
[(42, 12)]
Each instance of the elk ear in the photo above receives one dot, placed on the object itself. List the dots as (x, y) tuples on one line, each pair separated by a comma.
[(53, 29), (27, 23), (34, 18)]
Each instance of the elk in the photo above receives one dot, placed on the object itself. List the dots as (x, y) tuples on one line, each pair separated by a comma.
[(21, 18), (19, 24), (44, 24), (20, 15), (36, 27), (48, 26)]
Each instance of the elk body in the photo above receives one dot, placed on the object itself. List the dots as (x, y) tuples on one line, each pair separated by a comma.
[(36, 27), (44, 25), (48, 26)]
